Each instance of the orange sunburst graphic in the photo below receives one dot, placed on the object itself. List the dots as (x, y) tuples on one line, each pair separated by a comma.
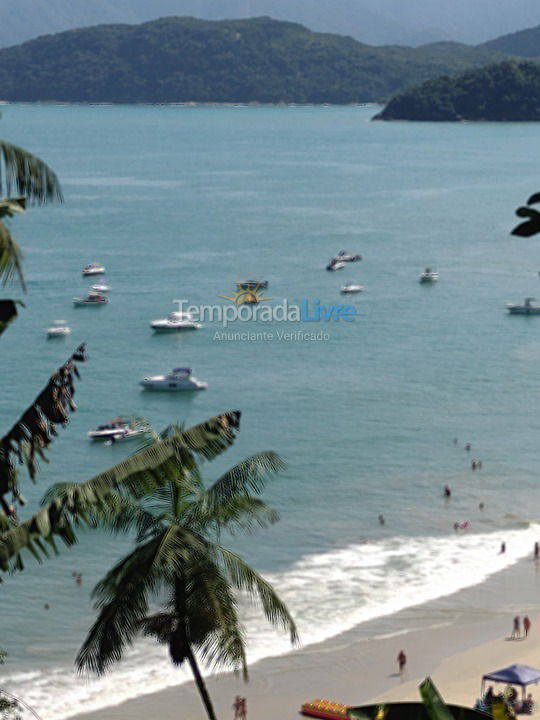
[(253, 296)]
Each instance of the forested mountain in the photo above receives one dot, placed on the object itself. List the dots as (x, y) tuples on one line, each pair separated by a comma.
[(184, 59), (505, 91), (525, 43), (376, 22)]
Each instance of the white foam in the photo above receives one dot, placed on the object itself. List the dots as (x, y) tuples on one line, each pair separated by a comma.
[(326, 593)]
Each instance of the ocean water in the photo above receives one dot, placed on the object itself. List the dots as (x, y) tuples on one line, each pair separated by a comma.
[(180, 202)]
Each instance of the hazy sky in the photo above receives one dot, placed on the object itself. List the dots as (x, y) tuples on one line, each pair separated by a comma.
[(371, 21)]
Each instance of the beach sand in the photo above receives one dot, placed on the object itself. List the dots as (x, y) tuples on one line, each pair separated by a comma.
[(454, 640)]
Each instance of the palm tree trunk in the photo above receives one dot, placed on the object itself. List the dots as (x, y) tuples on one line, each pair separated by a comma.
[(201, 686)]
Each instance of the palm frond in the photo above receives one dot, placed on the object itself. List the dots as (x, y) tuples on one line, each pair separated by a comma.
[(34, 431), (243, 577), (122, 596), (10, 257), (27, 175), (8, 312), (211, 438), (240, 514), (246, 477)]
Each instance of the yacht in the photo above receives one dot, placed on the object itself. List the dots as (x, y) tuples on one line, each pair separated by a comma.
[(252, 285), (100, 288), (92, 298), (178, 379), (58, 329), (335, 264), (352, 287), (344, 256), (176, 321), (526, 309), (93, 269), (429, 276), (117, 429)]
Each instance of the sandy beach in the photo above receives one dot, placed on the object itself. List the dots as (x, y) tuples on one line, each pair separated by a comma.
[(454, 640)]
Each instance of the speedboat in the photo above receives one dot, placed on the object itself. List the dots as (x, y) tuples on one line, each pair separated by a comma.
[(178, 379), (100, 288), (344, 256), (351, 287), (92, 298), (117, 429), (335, 265), (429, 276), (526, 309), (58, 329), (176, 321), (252, 285), (93, 269)]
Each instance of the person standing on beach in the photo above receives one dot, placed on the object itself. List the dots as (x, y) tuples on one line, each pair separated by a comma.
[(526, 625), (536, 550), (402, 661), (237, 707), (243, 709), (516, 630), (503, 548), (447, 492)]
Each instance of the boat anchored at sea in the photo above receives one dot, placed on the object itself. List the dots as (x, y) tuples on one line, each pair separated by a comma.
[(351, 288), (92, 299), (93, 269), (526, 309), (176, 322), (179, 379), (429, 276), (252, 285), (118, 429), (58, 329)]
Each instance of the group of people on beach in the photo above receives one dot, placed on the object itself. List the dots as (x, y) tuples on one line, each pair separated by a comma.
[(509, 698), (516, 628), (240, 708)]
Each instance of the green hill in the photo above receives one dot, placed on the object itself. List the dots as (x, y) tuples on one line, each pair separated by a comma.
[(525, 43), (184, 59), (505, 91)]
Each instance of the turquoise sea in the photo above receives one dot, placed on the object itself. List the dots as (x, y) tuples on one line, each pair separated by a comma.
[(181, 202)]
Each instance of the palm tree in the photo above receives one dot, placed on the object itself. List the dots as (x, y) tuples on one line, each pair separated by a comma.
[(32, 181), (178, 552)]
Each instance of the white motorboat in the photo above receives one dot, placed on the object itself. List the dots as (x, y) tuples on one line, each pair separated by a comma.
[(352, 287), (91, 299), (58, 329), (252, 285), (117, 429), (429, 276), (100, 288), (93, 269), (344, 256), (335, 265), (177, 321), (178, 379), (526, 309)]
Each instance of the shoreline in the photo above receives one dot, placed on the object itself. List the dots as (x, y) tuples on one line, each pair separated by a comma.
[(464, 630), (186, 103)]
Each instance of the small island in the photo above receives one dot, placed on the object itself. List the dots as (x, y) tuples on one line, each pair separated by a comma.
[(505, 91)]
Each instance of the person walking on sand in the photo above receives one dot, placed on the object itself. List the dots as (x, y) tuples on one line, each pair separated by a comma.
[(516, 629), (243, 709), (526, 625), (402, 661), (237, 707)]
